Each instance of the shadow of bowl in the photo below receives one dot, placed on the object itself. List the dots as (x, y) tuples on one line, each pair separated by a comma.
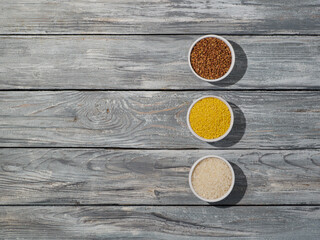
[(238, 191), (239, 69), (237, 131)]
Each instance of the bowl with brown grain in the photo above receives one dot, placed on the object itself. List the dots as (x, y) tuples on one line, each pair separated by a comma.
[(211, 58)]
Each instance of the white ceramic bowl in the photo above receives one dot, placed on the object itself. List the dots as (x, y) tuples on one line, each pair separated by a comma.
[(217, 199), (214, 139), (232, 60)]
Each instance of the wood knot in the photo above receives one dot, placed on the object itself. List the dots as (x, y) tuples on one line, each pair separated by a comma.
[(156, 193)]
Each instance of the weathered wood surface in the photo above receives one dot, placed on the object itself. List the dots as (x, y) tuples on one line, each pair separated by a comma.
[(59, 193), (135, 119), (152, 62), (159, 222), (97, 176), (155, 16)]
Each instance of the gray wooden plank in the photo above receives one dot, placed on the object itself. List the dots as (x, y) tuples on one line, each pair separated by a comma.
[(155, 16), (152, 62), (159, 222), (97, 176), (148, 119)]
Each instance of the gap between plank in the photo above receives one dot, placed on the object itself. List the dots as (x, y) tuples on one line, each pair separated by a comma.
[(164, 149), (162, 90), (156, 205), (157, 34)]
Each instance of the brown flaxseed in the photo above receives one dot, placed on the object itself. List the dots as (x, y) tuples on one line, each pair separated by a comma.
[(211, 58)]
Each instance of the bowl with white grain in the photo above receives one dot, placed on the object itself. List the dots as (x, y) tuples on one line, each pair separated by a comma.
[(211, 178)]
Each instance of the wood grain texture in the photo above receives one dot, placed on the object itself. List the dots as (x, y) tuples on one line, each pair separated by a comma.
[(152, 62), (157, 16), (135, 119), (97, 176), (159, 222)]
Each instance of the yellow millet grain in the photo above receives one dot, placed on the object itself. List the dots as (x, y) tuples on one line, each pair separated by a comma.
[(211, 178), (210, 118)]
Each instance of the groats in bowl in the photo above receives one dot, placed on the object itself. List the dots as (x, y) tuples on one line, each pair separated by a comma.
[(211, 58), (211, 178), (210, 118)]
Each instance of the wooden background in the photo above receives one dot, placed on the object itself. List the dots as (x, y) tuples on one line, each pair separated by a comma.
[(93, 135)]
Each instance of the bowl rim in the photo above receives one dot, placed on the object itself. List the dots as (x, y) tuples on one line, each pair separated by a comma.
[(232, 56), (214, 139), (190, 179)]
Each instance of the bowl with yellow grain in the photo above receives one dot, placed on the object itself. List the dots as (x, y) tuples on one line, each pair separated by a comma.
[(210, 118)]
